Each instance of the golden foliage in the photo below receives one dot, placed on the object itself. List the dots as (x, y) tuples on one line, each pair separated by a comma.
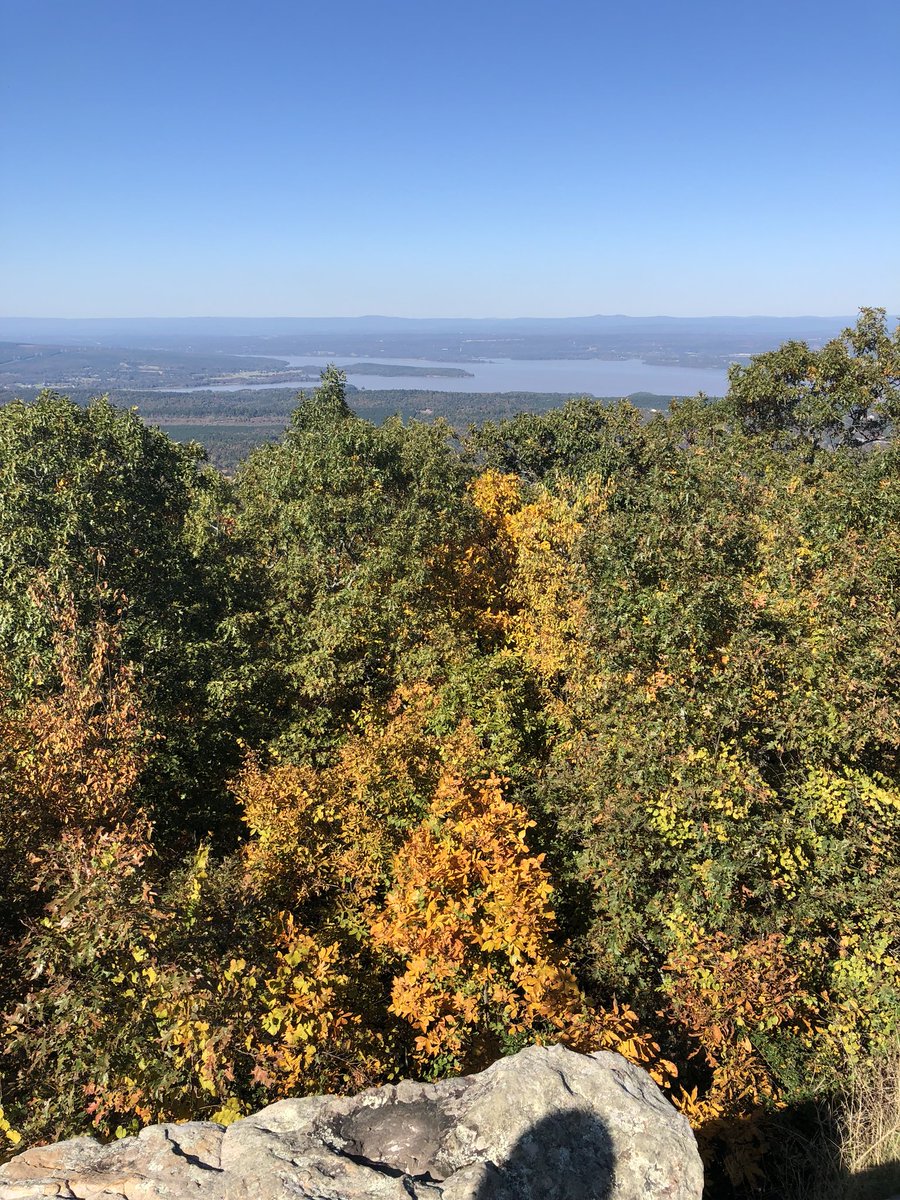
[(144, 1028), (526, 574), (470, 914), (279, 1022), (336, 829), (71, 758)]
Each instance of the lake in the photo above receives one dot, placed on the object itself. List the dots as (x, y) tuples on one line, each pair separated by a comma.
[(577, 376), (573, 377)]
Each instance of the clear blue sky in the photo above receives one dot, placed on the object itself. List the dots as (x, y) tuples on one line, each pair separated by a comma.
[(437, 158)]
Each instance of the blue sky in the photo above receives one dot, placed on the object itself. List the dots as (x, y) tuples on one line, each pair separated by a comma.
[(448, 159)]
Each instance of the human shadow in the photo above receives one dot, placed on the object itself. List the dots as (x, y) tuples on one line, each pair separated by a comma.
[(565, 1156)]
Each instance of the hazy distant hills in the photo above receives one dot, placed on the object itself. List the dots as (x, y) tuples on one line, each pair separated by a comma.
[(124, 330), (661, 341), (195, 375)]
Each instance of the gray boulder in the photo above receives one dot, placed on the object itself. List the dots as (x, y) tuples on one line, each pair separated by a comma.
[(545, 1124)]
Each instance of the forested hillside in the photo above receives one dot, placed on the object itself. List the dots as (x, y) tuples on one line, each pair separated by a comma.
[(398, 751)]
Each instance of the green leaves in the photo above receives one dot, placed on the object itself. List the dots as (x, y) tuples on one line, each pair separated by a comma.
[(100, 511), (677, 642), (354, 529), (845, 394)]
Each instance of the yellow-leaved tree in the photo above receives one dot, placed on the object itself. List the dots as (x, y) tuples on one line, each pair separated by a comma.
[(70, 757), (470, 917), (334, 830)]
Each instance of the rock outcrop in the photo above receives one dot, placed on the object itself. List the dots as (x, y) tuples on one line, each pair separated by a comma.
[(546, 1124)]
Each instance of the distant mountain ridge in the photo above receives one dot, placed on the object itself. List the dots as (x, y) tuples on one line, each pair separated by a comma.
[(67, 329)]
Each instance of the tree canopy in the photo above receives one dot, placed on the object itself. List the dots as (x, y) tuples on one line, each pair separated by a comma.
[(401, 750)]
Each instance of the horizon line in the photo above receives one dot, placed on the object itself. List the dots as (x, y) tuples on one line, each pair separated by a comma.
[(806, 316)]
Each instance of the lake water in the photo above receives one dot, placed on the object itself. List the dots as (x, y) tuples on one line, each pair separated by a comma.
[(578, 376), (572, 377)]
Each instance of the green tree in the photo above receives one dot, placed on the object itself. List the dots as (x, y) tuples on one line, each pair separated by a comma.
[(733, 794), (355, 528), (845, 394), (583, 435), (101, 512)]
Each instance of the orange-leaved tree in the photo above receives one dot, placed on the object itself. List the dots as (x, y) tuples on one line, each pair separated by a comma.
[(70, 757), (333, 831), (470, 917)]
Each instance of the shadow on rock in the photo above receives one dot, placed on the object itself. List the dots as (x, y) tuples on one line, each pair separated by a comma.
[(564, 1156)]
